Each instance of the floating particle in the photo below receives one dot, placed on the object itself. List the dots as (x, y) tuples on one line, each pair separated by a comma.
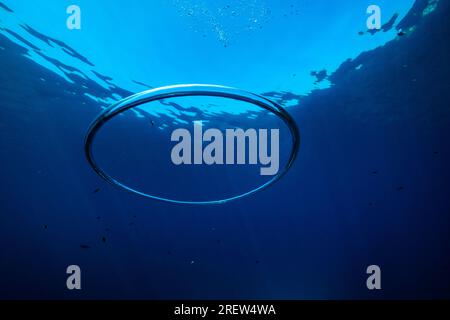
[(84, 246), (97, 190), (103, 239), (400, 188)]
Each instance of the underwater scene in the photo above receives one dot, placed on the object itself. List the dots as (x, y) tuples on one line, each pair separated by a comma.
[(227, 149)]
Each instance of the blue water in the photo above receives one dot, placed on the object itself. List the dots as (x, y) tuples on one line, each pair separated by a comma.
[(369, 186)]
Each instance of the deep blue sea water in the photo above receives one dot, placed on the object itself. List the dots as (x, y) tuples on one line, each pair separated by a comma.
[(370, 184)]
